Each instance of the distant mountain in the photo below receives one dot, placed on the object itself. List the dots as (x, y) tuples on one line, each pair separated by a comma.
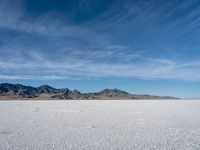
[(47, 89), (18, 91)]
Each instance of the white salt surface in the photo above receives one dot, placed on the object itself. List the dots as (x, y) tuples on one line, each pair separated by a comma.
[(100, 125)]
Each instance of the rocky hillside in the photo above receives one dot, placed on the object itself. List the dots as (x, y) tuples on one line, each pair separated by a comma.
[(18, 91)]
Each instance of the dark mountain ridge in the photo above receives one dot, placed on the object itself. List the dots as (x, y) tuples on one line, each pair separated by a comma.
[(18, 91)]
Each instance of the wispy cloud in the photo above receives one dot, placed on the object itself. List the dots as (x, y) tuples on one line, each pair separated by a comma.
[(48, 26), (89, 50), (40, 67)]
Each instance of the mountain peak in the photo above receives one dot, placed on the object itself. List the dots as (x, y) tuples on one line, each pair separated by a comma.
[(46, 89), (46, 86), (114, 92)]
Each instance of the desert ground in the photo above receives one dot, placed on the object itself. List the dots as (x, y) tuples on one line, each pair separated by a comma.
[(100, 125)]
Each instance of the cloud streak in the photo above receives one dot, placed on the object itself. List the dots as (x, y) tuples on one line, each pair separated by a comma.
[(150, 68), (98, 48)]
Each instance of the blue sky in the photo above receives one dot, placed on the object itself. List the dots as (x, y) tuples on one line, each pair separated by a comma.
[(141, 46)]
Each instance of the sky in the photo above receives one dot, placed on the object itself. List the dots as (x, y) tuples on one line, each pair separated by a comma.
[(141, 46)]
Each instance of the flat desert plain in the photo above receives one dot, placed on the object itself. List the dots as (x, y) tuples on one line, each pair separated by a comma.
[(100, 125)]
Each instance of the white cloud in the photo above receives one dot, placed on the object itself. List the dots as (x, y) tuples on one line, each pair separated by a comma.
[(151, 68), (100, 58)]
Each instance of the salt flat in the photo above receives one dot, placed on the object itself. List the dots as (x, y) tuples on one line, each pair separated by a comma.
[(100, 125)]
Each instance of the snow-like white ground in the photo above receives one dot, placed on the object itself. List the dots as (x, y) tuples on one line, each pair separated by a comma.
[(100, 125)]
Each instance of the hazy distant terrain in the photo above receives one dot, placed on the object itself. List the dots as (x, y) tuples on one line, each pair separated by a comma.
[(94, 125), (18, 91)]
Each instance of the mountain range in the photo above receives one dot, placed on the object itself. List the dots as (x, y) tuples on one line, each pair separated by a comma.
[(46, 92)]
